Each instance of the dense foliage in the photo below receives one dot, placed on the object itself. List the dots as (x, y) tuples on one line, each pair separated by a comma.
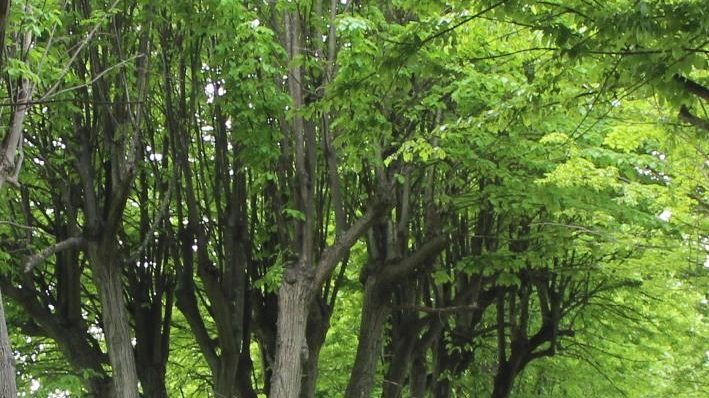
[(354, 198)]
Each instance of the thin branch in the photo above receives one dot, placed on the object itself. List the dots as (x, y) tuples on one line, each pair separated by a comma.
[(440, 310), (48, 95), (461, 23), (84, 43), (33, 261), (16, 225)]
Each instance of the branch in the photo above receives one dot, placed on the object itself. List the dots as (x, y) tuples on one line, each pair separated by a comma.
[(33, 261), (693, 87), (441, 310), (11, 152), (686, 116), (403, 267), (461, 23), (334, 253), (19, 226), (67, 68)]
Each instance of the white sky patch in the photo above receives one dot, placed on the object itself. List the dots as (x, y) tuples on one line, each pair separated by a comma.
[(34, 385), (665, 215), (96, 332), (255, 23), (209, 89), (658, 155)]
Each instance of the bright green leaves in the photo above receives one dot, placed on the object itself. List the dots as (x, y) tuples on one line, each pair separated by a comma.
[(582, 172), (417, 150)]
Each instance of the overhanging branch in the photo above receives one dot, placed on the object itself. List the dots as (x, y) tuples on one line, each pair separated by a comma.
[(686, 116), (693, 87), (36, 259)]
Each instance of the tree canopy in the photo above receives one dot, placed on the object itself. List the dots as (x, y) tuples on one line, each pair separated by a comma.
[(354, 198)]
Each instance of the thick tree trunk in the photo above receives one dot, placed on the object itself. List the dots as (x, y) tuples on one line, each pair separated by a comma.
[(153, 381), (100, 387), (107, 276), (8, 389), (419, 377), (225, 377), (294, 299), (504, 380), (375, 312)]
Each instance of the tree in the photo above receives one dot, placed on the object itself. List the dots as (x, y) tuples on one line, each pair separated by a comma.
[(218, 194)]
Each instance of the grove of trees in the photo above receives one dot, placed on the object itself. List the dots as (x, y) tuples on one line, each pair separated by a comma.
[(354, 198)]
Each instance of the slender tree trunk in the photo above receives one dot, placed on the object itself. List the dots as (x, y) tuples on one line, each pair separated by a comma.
[(400, 362), (375, 312), (8, 388), (294, 299), (107, 276), (316, 331), (310, 372)]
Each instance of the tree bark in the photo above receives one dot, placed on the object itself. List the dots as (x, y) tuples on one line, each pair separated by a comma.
[(107, 277), (316, 331), (504, 380), (375, 312), (294, 300), (8, 388)]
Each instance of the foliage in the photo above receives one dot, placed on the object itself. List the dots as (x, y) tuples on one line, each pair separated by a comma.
[(505, 198)]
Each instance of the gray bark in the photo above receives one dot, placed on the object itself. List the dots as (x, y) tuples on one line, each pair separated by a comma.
[(8, 389), (293, 304), (107, 277)]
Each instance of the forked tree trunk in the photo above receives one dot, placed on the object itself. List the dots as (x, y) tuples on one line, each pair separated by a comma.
[(8, 388)]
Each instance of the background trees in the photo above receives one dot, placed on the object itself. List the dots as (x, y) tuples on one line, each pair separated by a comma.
[(350, 198)]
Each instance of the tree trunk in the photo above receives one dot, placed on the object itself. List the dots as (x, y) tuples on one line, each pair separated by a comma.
[(504, 380), (107, 276), (294, 299), (419, 377), (400, 362), (8, 389), (375, 311), (316, 331), (310, 372), (225, 378)]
